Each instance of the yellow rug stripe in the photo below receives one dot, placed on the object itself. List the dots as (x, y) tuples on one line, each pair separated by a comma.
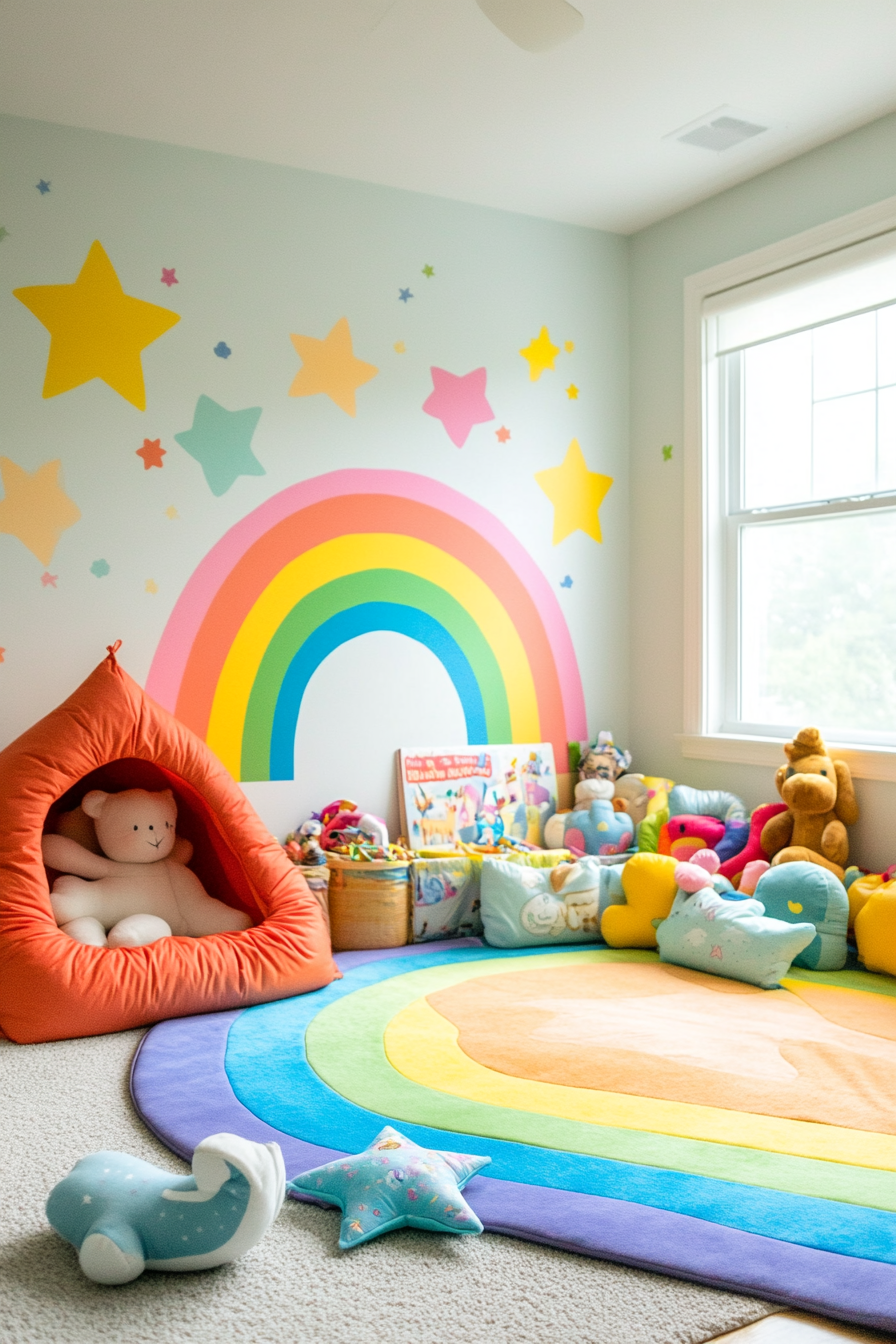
[(423, 1045)]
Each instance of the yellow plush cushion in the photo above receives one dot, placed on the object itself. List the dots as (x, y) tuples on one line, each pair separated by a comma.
[(876, 930), (648, 881)]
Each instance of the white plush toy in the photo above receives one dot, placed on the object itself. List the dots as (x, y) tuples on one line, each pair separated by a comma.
[(139, 889)]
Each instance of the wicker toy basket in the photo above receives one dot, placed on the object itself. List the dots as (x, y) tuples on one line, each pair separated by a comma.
[(370, 904)]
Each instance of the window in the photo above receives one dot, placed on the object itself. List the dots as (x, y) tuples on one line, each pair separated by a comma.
[(797, 481)]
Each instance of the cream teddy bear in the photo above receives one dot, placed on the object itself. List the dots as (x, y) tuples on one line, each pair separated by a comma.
[(139, 889)]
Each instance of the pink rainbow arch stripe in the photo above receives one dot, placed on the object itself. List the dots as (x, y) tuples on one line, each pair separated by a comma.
[(180, 650)]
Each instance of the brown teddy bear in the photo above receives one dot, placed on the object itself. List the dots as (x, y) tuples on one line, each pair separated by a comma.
[(820, 802)]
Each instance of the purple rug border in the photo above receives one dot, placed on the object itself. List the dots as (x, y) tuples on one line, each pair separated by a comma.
[(679, 1245)]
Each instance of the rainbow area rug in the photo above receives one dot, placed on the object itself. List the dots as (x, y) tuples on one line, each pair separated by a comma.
[(633, 1111)]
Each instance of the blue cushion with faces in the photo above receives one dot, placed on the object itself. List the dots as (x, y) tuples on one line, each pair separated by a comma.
[(537, 907)]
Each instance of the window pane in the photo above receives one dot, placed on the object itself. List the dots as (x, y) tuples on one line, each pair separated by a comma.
[(778, 422), (844, 447), (886, 346), (818, 623), (845, 357), (886, 439)]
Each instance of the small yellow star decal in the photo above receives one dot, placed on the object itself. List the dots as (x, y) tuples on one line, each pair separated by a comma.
[(576, 494), (572, 392), (569, 346), (171, 512), (331, 366), (399, 347), (35, 508), (540, 353), (150, 586), (96, 330)]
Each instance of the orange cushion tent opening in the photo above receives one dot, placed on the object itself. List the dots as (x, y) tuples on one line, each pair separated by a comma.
[(110, 735)]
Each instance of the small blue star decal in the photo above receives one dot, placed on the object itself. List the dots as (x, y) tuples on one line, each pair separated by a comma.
[(43, 187), (404, 295), (220, 442), (223, 350), (394, 1183), (566, 583)]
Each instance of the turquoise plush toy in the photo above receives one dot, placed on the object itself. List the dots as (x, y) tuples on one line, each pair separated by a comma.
[(531, 907), (806, 891), (685, 801), (727, 937), (124, 1215)]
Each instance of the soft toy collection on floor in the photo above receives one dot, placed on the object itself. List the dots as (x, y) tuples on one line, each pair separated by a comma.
[(639, 862)]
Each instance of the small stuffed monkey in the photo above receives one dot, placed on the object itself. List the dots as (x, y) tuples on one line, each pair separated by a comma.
[(139, 889)]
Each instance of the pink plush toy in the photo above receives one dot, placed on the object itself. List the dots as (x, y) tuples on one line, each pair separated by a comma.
[(139, 889)]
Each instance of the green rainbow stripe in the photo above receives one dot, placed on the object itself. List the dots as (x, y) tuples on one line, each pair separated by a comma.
[(340, 595)]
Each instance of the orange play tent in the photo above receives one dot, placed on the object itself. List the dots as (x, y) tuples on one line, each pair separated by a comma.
[(110, 735)]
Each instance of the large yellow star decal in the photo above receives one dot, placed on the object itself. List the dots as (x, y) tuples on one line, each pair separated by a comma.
[(96, 330), (541, 353), (576, 494), (35, 508), (331, 366)]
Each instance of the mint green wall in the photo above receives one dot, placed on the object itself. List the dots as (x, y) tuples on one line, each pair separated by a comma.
[(261, 251), (840, 177)]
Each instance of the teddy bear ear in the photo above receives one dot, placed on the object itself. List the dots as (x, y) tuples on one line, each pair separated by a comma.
[(94, 802)]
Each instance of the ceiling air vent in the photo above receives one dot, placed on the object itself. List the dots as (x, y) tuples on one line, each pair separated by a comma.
[(717, 131)]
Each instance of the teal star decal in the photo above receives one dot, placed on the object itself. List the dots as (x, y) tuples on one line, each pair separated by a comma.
[(4, 233), (393, 1184), (220, 442), (667, 452)]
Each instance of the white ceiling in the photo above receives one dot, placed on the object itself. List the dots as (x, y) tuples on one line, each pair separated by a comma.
[(428, 95)]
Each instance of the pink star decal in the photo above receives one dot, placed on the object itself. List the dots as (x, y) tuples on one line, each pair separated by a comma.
[(459, 402), (168, 277), (152, 453), (502, 434), (48, 580), (716, 952)]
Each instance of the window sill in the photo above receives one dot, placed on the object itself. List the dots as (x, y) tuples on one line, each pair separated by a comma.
[(877, 763)]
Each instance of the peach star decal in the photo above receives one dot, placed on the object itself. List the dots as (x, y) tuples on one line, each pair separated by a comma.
[(35, 508), (152, 453), (572, 392), (331, 366), (171, 512), (541, 353), (399, 347), (96, 330), (576, 494), (2, 657), (150, 586), (502, 434)]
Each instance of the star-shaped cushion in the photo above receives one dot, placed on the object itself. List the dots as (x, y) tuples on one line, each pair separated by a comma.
[(395, 1183)]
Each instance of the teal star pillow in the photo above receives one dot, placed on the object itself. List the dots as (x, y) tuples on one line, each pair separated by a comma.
[(394, 1183)]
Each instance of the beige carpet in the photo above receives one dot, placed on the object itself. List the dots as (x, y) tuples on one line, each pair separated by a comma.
[(60, 1101)]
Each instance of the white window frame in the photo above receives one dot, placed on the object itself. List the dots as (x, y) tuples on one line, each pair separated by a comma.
[(705, 527)]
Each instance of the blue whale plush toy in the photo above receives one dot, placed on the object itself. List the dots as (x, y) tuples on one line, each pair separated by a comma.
[(124, 1215)]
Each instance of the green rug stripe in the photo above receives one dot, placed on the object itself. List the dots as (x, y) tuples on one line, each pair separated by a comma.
[(869, 982), (344, 1045)]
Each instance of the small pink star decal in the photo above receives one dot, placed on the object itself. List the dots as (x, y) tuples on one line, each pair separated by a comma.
[(48, 580), (152, 453), (168, 277), (458, 400), (716, 952), (502, 434)]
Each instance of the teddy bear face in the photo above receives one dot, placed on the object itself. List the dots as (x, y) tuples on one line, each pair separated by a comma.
[(135, 826), (808, 786)]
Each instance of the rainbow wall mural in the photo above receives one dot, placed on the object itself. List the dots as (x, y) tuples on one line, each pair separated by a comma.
[(344, 554)]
